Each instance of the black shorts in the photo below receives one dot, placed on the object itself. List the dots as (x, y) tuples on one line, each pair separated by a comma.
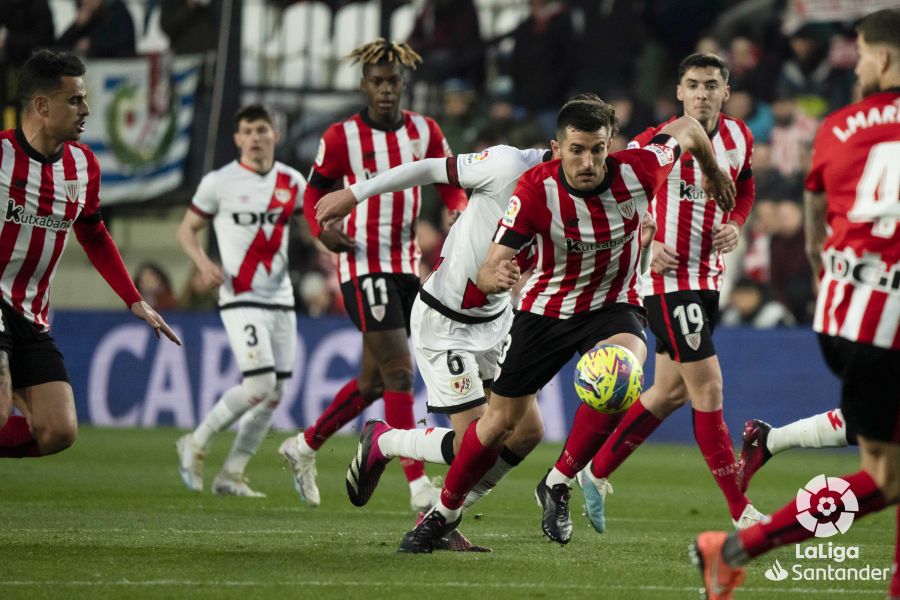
[(537, 347), (683, 323), (33, 355), (870, 391), (380, 301)]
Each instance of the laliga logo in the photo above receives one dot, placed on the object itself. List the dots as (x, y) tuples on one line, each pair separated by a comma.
[(826, 506)]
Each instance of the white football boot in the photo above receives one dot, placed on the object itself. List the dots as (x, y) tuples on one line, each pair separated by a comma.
[(190, 463), (427, 495), (234, 484), (749, 518), (304, 469)]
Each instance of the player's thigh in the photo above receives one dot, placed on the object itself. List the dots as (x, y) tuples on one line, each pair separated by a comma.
[(453, 380), (637, 345), (683, 323), (870, 387), (249, 335), (390, 349), (283, 337), (51, 406), (380, 301)]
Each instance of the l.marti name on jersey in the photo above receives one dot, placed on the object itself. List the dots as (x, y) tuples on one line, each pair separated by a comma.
[(690, 192), (15, 213), (861, 120)]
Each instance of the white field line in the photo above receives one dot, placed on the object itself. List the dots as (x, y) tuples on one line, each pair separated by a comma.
[(433, 584)]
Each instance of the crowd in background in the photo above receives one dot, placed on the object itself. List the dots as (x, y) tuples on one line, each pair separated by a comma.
[(483, 92)]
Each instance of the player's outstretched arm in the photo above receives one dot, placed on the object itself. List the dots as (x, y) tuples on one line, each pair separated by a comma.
[(336, 205), (499, 272), (145, 312), (191, 225), (692, 138)]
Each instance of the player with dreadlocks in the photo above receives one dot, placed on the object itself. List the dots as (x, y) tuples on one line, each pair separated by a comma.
[(378, 257)]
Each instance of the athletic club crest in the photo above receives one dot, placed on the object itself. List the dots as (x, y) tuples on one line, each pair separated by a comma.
[(461, 384), (734, 158), (73, 190), (626, 209), (378, 312), (693, 340)]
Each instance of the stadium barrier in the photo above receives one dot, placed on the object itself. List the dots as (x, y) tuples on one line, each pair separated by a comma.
[(123, 377)]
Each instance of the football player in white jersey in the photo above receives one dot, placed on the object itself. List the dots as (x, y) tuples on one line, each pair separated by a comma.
[(250, 202), (457, 331)]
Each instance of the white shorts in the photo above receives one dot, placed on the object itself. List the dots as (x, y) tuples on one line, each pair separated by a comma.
[(262, 339), (454, 373)]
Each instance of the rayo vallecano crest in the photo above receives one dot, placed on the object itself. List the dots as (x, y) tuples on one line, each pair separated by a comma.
[(282, 195), (626, 209)]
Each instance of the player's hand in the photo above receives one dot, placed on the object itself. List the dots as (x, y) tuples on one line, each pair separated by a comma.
[(336, 240), (721, 188), (726, 237), (211, 275), (143, 311), (505, 276), (664, 258), (334, 206), (648, 229)]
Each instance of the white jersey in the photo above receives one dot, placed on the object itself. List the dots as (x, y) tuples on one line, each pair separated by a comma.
[(492, 175), (251, 213)]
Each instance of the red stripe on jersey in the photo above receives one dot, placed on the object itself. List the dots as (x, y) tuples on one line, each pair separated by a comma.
[(872, 315), (46, 192), (685, 218), (16, 196), (600, 223), (373, 218), (826, 314), (569, 215), (621, 195), (398, 204), (40, 305), (262, 250), (660, 211), (840, 311), (669, 330), (706, 241)]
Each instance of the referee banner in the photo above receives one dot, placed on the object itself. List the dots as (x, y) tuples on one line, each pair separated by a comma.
[(124, 377), (140, 123)]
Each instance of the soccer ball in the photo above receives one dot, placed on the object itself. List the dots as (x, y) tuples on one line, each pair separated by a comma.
[(609, 378)]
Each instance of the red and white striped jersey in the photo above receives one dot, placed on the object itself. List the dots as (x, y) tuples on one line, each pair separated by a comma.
[(588, 243), (685, 218), (856, 163), (251, 214), (383, 226), (44, 197)]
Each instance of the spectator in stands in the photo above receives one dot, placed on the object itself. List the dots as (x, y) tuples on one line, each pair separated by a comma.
[(447, 36), (197, 295), (155, 286), (756, 113), (790, 276), (611, 43), (809, 76), (750, 305), (541, 64), (28, 26), (460, 119), (792, 136), (102, 29), (192, 25)]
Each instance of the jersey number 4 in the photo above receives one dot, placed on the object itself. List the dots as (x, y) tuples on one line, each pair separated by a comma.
[(878, 190)]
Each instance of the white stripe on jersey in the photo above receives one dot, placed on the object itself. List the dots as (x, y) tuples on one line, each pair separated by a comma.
[(888, 323), (859, 300)]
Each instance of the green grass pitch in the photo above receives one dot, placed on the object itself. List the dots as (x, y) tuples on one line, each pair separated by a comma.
[(109, 518)]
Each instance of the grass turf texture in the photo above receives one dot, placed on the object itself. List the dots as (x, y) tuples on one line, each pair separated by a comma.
[(110, 518)]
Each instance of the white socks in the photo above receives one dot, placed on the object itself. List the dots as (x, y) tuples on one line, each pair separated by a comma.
[(418, 444), (826, 430), (555, 477), (251, 431), (488, 482), (254, 391)]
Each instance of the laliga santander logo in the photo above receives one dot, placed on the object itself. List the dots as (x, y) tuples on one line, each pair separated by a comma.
[(826, 505)]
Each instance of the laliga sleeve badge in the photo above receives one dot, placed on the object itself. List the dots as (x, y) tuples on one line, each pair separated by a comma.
[(512, 209), (664, 154)]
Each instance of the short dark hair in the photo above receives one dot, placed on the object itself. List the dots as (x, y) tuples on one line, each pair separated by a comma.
[(881, 27), (43, 73), (252, 112), (701, 61), (586, 112)]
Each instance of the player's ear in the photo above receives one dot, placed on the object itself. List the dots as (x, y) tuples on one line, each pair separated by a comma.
[(41, 105), (679, 93), (237, 140), (727, 93), (554, 148)]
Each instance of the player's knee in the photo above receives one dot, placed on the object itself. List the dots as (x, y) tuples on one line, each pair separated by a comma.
[(371, 390), (51, 440), (399, 379), (528, 436), (709, 396), (260, 387)]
